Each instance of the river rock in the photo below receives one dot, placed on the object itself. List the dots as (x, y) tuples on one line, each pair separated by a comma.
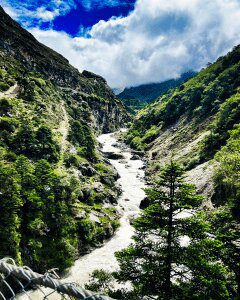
[(112, 155), (117, 145), (81, 215), (123, 161), (144, 166), (140, 153), (94, 218), (109, 231), (135, 157)]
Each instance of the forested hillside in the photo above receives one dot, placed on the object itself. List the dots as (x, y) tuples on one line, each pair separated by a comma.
[(186, 245), (193, 120), (197, 125), (53, 179), (135, 98), (59, 197)]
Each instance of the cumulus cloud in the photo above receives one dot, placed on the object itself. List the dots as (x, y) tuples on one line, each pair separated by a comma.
[(159, 40)]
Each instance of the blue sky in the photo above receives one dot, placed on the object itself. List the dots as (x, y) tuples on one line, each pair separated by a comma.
[(84, 17), (72, 17), (132, 42)]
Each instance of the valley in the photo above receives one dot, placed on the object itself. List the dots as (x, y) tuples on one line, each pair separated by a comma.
[(104, 188), (131, 180)]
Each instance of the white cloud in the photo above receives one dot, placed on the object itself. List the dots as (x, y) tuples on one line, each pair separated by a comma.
[(35, 12), (159, 40)]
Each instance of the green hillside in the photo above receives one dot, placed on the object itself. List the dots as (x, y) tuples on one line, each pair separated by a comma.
[(54, 181), (186, 245), (207, 102), (197, 124), (135, 98)]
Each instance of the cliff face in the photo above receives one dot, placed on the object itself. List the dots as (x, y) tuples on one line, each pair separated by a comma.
[(53, 177)]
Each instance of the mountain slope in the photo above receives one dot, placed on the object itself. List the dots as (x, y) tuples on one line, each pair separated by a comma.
[(54, 181), (21, 45), (191, 123), (138, 97)]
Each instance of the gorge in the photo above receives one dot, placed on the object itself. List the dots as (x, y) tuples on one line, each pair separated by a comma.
[(72, 180), (132, 184)]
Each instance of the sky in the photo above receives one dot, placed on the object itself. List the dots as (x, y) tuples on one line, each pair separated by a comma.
[(133, 42)]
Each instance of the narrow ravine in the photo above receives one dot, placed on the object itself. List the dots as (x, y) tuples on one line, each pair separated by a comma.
[(132, 183)]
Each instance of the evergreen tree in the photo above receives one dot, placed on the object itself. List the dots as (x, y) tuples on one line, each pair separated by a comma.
[(10, 204), (48, 229), (172, 256), (226, 218)]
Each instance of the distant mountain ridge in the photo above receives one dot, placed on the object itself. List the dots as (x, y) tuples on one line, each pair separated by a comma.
[(149, 92), (137, 97)]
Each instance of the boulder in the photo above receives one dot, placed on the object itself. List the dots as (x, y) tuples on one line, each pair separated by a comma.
[(135, 157), (94, 218), (112, 155), (87, 171)]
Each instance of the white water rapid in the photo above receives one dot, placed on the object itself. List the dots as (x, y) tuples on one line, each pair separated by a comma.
[(132, 184)]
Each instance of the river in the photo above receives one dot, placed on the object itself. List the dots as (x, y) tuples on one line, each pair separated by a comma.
[(132, 184)]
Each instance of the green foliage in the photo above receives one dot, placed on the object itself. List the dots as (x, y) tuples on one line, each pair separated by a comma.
[(7, 127), (71, 159), (10, 204), (94, 233), (5, 106), (41, 188), (226, 118), (28, 92), (133, 105), (135, 98), (36, 144), (227, 174), (197, 99), (101, 281), (4, 86), (39, 226), (150, 135), (48, 227), (86, 229), (46, 147), (157, 264), (38, 209), (82, 136), (225, 220)]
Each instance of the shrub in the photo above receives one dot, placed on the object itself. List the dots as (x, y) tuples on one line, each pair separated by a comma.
[(36, 144), (4, 86), (227, 116), (82, 136), (71, 159), (5, 106)]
